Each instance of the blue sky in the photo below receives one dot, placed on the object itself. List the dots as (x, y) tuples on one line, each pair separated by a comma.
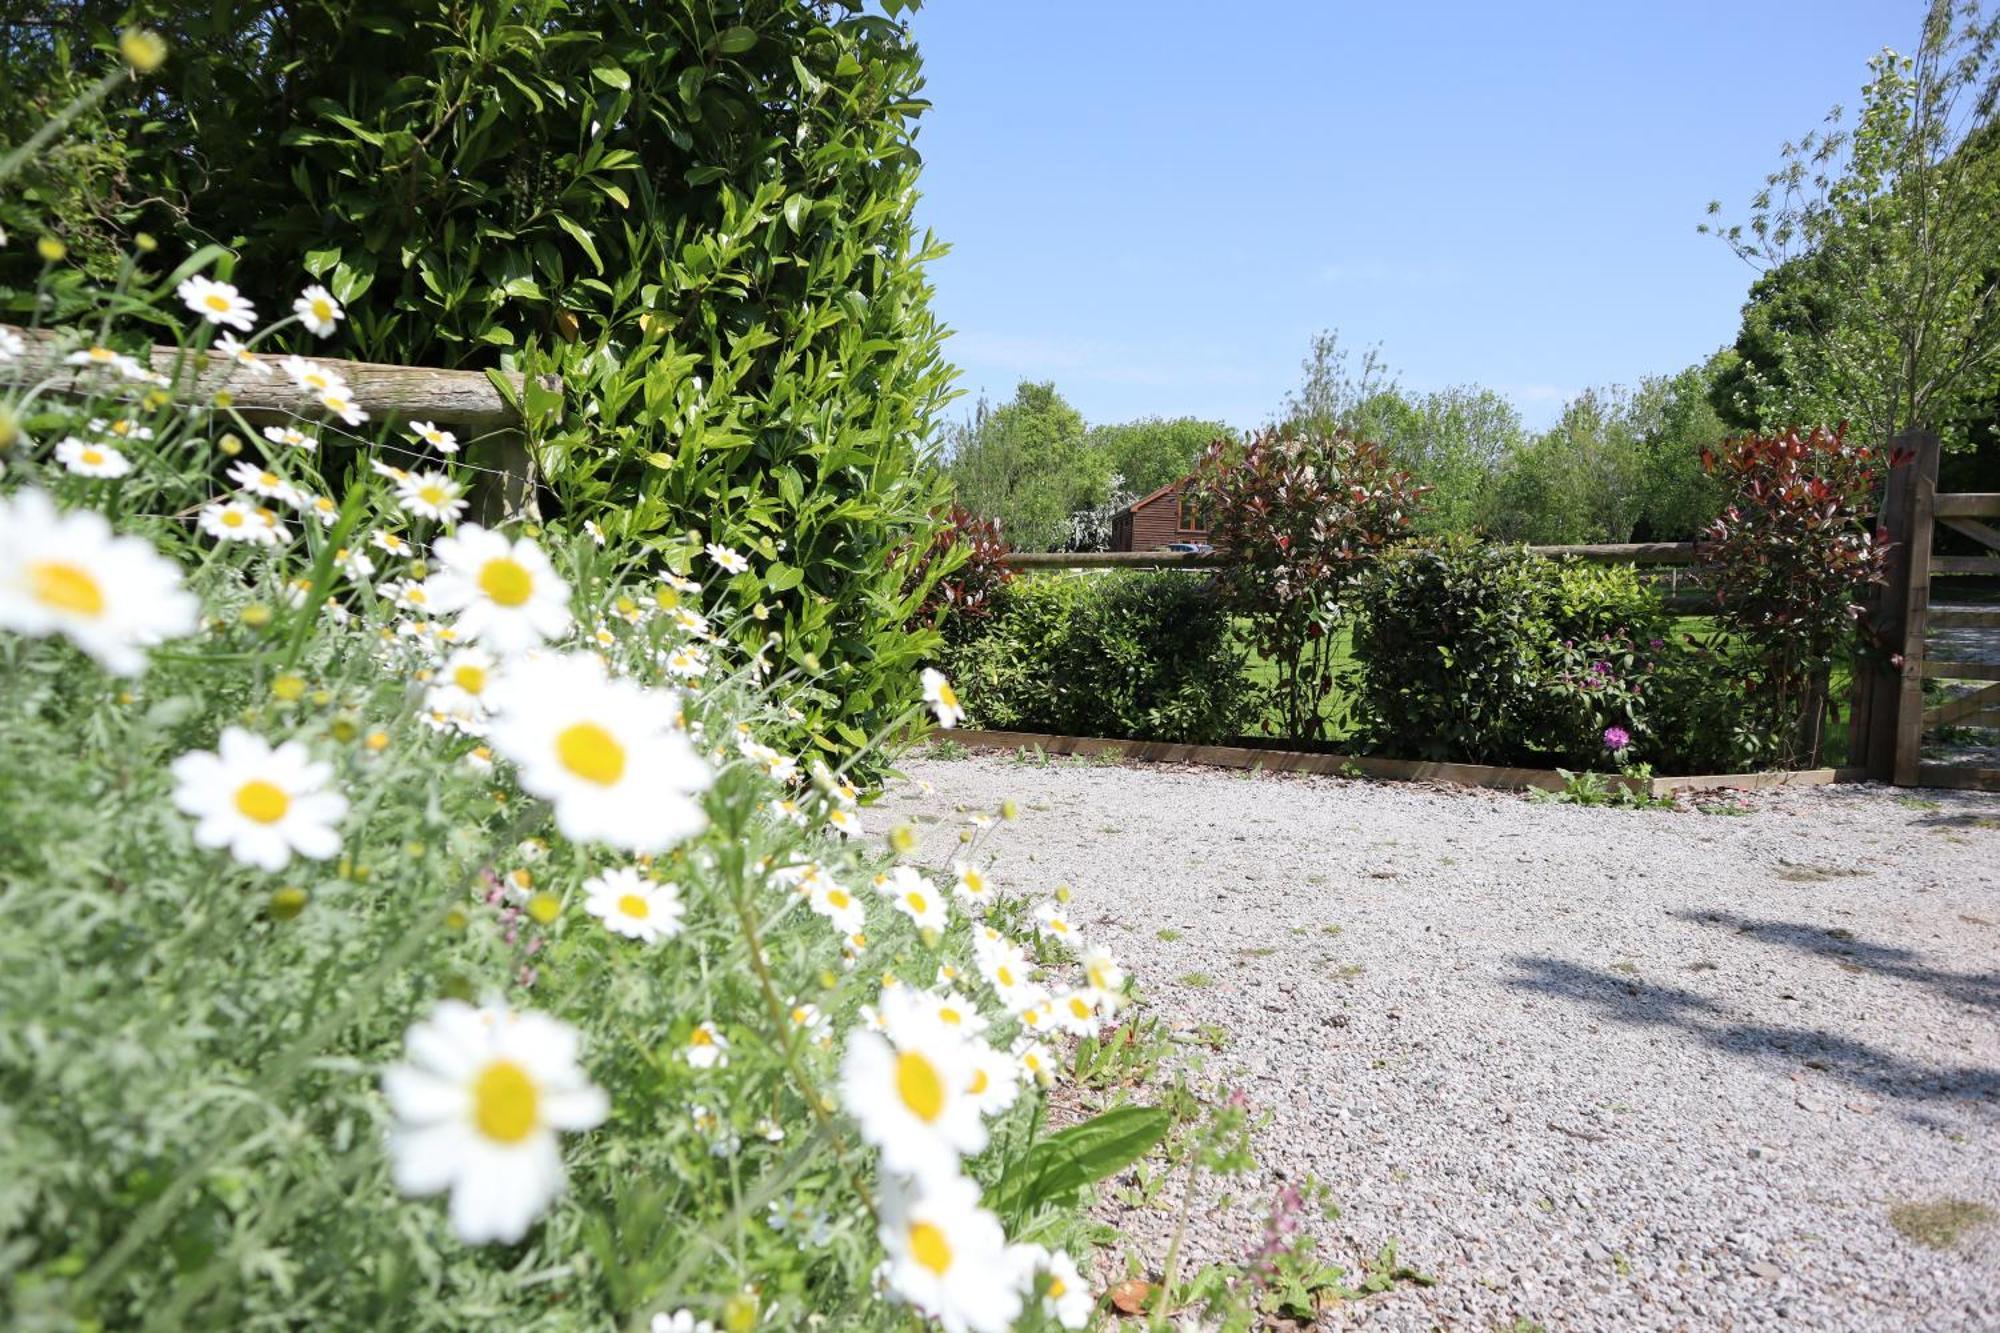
[(1155, 205)]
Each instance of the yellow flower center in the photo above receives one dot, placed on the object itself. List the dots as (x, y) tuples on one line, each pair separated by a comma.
[(216, 301), (322, 310), (505, 1102), (947, 695), (700, 1037), (65, 587), (634, 906), (929, 1248), (838, 897), (978, 1082), (974, 885), (917, 902), (592, 753), (470, 678), (1078, 1007), (433, 495), (951, 1016), (506, 581), (1004, 974), (232, 518), (121, 427), (262, 801), (1057, 1287), (269, 479), (92, 456), (918, 1084)]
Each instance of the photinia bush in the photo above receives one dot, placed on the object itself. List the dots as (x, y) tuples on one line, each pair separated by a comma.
[(1788, 561), (1301, 513), (960, 571)]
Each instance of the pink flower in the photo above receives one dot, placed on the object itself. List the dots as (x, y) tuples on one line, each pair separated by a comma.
[(1616, 739)]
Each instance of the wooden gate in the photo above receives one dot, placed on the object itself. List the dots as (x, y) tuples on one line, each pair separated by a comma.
[(1911, 619)]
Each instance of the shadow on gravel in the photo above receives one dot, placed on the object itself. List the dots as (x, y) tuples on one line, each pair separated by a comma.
[(1625, 999), (1981, 990)]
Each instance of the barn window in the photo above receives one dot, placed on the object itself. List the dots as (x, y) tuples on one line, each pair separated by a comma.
[(1191, 516)]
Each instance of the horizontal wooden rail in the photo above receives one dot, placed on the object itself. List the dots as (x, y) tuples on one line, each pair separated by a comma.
[(1962, 779), (1626, 553), (467, 399), (1936, 670), (1965, 564), (1967, 709), (1968, 504), (1952, 617)]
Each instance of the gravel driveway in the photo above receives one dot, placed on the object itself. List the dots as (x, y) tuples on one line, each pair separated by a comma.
[(1589, 1068)]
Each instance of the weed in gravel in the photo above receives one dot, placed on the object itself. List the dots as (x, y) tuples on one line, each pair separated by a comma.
[(1627, 966), (1315, 879), (1348, 971), (1125, 1057), (1197, 980), (1939, 1224), (946, 748), (1261, 951), (1329, 930), (1702, 965), (1166, 935), (1817, 874), (1918, 803)]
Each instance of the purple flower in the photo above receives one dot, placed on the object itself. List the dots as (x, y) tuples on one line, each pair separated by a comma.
[(1616, 739)]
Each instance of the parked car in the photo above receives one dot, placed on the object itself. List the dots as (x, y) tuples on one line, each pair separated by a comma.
[(1189, 548)]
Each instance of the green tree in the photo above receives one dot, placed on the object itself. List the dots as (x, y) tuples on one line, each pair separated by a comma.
[(1153, 451), (1898, 324), (1024, 464)]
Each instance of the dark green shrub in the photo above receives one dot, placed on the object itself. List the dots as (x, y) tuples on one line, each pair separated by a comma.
[(1127, 655), (699, 215), (1452, 641)]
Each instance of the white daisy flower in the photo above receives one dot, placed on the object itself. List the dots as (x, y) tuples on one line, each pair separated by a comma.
[(948, 1256), (810, 1022), (843, 821), (1076, 1012), (727, 559), (120, 428), (723, 1141), (679, 584), (1039, 1021), (261, 803), (262, 481), (478, 1104), (693, 622), (909, 1099), (1106, 979), (687, 662), (236, 521), (1054, 921), (11, 345), (461, 684), (632, 905), (318, 311), (912, 895), (906, 1009), (593, 531), (341, 405), (217, 302), (431, 495), (236, 351), (507, 594), (838, 906), (390, 544), (290, 437), (435, 436), (706, 1048), (680, 1321), (356, 564), (607, 753), (313, 377), (1065, 1297), (943, 700), (1009, 973), (971, 885), (1035, 1060), (996, 1078), (112, 596), (85, 459), (103, 358), (320, 507)]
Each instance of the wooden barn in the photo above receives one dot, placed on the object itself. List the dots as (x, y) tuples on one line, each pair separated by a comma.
[(1158, 520)]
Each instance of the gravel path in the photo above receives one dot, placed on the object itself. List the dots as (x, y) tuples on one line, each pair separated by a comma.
[(1590, 1068)]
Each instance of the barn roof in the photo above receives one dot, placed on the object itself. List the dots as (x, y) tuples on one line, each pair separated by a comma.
[(1145, 500)]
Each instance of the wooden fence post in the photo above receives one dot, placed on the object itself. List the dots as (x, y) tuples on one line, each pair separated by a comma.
[(1877, 685), (1921, 505), (506, 486)]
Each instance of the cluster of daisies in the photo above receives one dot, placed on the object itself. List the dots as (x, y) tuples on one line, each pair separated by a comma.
[(495, 652)]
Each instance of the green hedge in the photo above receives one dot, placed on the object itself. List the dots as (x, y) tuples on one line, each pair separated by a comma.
[(700, 215), (1125, 655), (1490, 654)]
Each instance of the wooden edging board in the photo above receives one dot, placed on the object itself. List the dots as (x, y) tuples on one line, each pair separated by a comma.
[(1391, 770)]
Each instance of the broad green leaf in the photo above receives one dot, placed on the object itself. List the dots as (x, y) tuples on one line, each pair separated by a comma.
[(612, 76), (736, 40), (1077, 1157), (319, 262)]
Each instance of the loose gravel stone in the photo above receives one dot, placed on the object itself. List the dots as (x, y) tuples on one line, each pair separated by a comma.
[(1590, 1068)]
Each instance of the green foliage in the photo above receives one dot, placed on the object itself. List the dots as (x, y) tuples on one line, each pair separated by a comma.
[(1881, 260), (1152, 452), (1489, 654), (1790, 561), (1301, 514), (699, 220), (1127, 654), (1064, 1164)]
